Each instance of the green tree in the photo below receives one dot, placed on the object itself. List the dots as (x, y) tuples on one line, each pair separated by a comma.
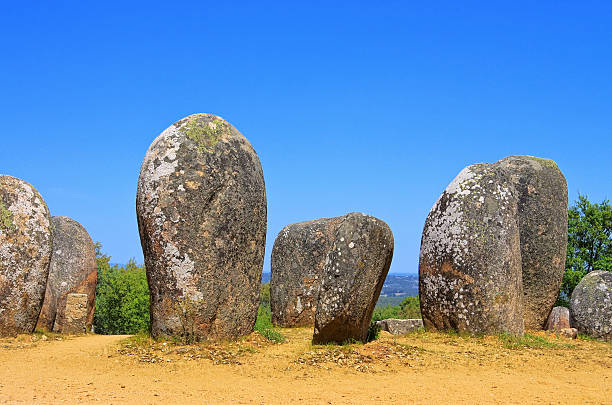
[(409, 308), (122, 297), (589, 243)]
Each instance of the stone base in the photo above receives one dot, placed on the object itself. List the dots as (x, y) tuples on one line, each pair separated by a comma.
[(400, 326)]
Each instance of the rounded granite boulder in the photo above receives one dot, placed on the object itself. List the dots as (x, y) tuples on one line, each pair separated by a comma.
[(591, 305), (25, 252), (353, 275), (72, 271), (542, 217), (298, 257), (201, 209), (470, 259)]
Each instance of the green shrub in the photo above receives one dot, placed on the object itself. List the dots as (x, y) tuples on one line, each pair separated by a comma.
[(263, 324), (122, 297), (408, 309)]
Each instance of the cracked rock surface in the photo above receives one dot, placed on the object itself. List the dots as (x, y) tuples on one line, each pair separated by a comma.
[(25, 252), (353, 275), (72, 270), (542, 217), (591, 305), (470, 260), (298, 258), (201, 208)]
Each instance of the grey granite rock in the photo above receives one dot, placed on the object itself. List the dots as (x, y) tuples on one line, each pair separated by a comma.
[(201, 208), (72, 270), (542, 217), (470, 260), (25, 252), (353, 275), (591, 305), (298, 258), (400, 326), (570, 333)]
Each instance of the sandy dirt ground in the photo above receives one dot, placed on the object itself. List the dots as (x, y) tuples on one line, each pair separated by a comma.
[(420, 368)]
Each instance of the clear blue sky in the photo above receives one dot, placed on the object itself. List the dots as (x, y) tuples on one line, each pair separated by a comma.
[(356, 106)]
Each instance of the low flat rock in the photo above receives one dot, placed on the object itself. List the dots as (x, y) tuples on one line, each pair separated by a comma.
[(591, 305), (201, 209), (542, 217), (558, 319), (570, 333), (25, 252), (298, 257), (470, 262), (75, 315), (400, 326), (353, 275), (72, 270)]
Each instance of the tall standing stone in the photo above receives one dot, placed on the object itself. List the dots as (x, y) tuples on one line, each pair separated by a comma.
[(470, 260), (72, 270), (542, 217), (25, 252), (591, 305), (201, 208), (297, 263), (353, 275)]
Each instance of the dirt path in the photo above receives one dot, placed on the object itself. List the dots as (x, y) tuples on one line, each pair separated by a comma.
[(419, 368)]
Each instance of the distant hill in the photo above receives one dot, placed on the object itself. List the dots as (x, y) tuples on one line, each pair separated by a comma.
[(400, 285), (396, 285)]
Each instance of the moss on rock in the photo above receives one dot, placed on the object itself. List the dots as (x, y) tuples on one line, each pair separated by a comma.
[(6, 218), (205, 130)]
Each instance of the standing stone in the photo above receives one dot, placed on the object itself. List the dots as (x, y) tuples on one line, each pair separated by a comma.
[(542, 217), (72, 270), (353, 275), (558, 319), (201, 208), (591, 305), (298, 257), (470, 260), (75, 315), (25, 252)]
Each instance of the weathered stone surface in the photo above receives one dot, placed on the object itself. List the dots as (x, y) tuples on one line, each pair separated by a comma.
[(400, 326), (542, 217), (25, 252), (570, 333), (558, 319), (353, 275), (75, 315), (201, 208), (298, 258), (470, 260), (591, 305), (72, 270)]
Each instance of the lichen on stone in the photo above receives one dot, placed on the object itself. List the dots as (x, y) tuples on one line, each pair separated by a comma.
[(544, 162), (6, 218), (206, 134)]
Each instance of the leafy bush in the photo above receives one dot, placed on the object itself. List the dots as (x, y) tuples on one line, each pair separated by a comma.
[(122, 297), (263, 324), (408, 309)]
